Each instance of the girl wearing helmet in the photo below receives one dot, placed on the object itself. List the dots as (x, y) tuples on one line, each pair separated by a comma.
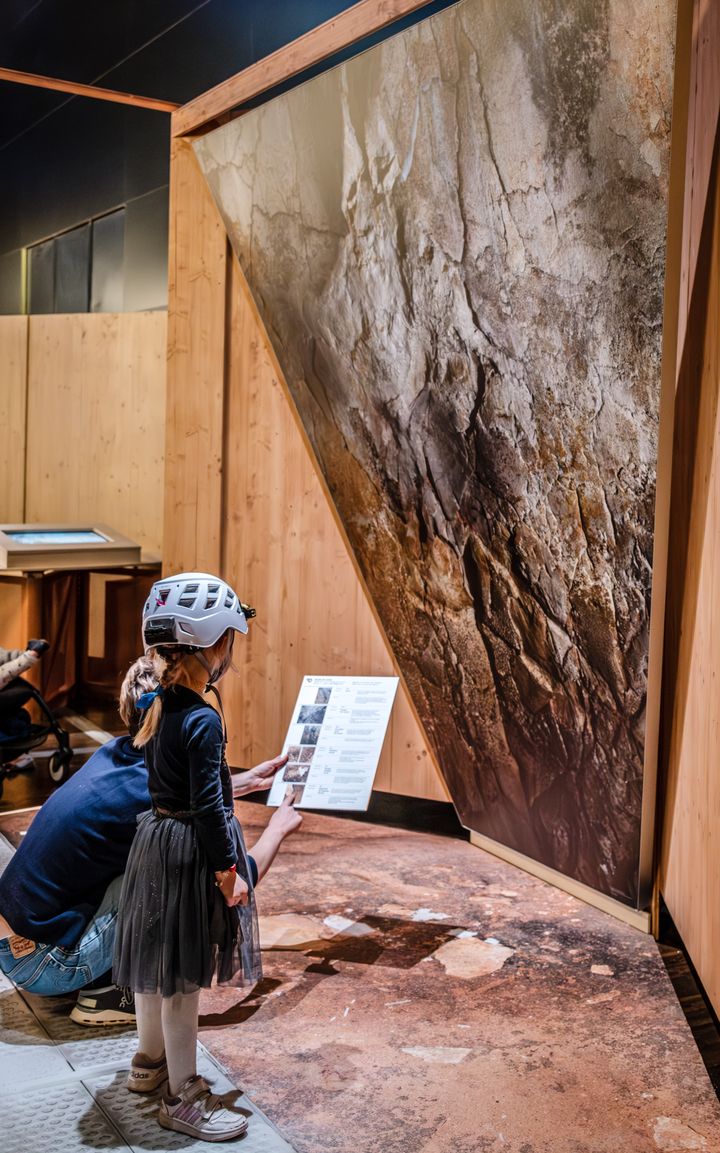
[(187, 910)]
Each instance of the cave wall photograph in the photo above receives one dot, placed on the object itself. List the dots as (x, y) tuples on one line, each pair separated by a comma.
[(456, 242)]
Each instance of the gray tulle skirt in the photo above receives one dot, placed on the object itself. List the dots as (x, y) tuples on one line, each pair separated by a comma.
[(174, 930)]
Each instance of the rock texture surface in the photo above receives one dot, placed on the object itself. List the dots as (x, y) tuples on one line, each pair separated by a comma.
[(456, 242)]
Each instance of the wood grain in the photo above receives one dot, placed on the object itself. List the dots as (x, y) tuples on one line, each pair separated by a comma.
[(340, 32), (21, 615), (96, 421), (702, 124), (195, 370), (689, 866), (13, 399), (12, 76)]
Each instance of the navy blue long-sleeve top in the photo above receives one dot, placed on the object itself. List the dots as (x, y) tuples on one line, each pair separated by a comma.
[(76, 845), (188, 773)]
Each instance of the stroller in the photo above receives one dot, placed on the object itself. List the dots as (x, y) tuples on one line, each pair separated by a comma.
[(18, 734)]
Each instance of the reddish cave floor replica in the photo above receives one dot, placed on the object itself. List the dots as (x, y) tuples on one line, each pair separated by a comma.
[(421, 995)]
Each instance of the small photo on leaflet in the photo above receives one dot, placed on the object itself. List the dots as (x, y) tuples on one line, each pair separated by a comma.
[(311, 715), (306, 755), (323, 696), (295, 772), (293, 753), (298, 791), (310, 735)]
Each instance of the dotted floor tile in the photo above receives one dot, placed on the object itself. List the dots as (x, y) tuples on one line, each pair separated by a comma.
[(83, 1046), (135, 1114), (62, 1087), (27, 1055), (55, 1120)]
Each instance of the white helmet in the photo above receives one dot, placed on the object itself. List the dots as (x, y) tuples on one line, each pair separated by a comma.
[(192, 609)]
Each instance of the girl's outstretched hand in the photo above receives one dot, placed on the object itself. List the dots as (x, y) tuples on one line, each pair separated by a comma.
[(286, 819)]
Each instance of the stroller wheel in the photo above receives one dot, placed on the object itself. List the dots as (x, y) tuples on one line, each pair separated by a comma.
[(57, 765)]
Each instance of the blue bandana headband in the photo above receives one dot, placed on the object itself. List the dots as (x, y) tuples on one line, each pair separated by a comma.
[(143, 702)]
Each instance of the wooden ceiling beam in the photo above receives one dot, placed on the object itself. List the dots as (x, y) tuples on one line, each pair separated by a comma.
[(352, 25), (74, 89)]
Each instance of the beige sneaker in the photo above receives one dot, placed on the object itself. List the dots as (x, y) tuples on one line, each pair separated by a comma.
[(199, 1113), (146, 1075)]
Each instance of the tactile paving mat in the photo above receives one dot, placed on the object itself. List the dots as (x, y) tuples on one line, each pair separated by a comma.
[(83, 1046), (134, 1114), (62, 1087), (26, 1052), (63, 1119)]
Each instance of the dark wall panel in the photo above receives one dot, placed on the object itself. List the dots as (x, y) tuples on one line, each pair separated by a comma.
[(87, 160), (108, 249), (146, 251), (456, 242), (72, 270), (68, 159), (41, 278)]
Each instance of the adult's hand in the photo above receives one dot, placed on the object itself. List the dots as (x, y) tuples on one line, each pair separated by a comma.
[(258, 778), (232, 887), (240, 894)]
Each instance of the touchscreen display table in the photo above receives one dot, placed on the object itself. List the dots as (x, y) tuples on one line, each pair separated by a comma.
[(32, 547)]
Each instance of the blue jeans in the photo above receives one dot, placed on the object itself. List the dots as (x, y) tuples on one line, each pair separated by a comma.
[(51, 969)]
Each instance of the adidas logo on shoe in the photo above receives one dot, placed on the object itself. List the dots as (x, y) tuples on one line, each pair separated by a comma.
[(146, 1075)]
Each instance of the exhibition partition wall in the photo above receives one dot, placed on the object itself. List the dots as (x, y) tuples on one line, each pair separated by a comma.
[(243, 496), (82, 420), (689, 858), (456, 243)]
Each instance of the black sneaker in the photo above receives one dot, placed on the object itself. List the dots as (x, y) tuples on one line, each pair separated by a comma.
[(112, 1005)]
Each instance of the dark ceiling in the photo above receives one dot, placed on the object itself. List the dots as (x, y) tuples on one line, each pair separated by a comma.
[(67, 159), (170, 49)]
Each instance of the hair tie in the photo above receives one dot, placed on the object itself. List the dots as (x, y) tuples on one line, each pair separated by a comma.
[(143, 702)]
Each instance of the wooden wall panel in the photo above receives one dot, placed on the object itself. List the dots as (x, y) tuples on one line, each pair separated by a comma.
[(13, 392), (281, 538), (702, 124), (196, 369), (689, 867), (21, 615), (96, 421)]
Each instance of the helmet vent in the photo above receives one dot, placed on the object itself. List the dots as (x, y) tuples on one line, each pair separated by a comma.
[(210, 602), (190, 589), (213, 588), (228, 600), (162, 597), (187, 602)]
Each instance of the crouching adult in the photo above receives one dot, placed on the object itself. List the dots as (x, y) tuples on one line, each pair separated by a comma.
[(59, 894)]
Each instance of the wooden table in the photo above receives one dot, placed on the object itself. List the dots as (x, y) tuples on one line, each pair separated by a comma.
[(91, 619)]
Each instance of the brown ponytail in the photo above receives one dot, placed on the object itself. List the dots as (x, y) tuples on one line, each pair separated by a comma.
[(169, 669)]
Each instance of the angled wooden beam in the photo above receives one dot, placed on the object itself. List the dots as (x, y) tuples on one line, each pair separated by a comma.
[(340, 32), (13, 77)]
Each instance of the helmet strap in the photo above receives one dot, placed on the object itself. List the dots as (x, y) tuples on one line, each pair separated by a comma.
[(209, 688), (200, 656)]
